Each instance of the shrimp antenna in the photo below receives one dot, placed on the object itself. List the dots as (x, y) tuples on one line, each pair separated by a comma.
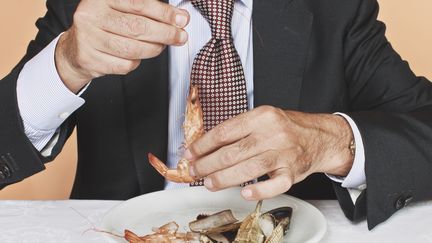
[(93, 228)]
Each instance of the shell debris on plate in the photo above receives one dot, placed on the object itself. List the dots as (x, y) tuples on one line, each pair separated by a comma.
[(223, 227), (142, 213)]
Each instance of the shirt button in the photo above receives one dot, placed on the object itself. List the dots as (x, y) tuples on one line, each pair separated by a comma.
[(64, 115)]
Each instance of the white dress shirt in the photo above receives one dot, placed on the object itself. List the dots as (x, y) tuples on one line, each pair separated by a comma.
[(45, 103)]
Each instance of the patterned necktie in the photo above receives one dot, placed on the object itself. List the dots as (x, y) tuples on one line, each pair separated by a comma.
[(217, 69)]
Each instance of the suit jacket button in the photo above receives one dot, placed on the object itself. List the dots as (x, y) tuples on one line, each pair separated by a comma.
[(408, 201), (400, 203), (5, 171)]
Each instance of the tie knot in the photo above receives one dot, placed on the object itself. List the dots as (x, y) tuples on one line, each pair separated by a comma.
[(219, 14)]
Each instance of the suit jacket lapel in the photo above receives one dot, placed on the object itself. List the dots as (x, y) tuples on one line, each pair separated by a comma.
[(146, 95), (281, 33)]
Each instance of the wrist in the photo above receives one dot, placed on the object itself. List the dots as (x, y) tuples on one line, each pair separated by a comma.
[(335, 153), (338, 146), (71, 73)]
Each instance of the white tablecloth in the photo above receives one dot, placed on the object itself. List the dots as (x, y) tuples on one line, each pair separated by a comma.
[(67, 221)]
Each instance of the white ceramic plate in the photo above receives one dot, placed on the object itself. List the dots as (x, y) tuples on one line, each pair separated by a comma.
[(142, 213)]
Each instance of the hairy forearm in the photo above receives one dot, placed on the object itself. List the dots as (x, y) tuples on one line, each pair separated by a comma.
[(327, 139)]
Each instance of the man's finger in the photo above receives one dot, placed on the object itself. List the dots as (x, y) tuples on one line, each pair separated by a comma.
[(125, 48), (280, 182), (242, 172), (154, 9), (115, 65), (223, 134), (142, 28), (228, 156), (106, 64)]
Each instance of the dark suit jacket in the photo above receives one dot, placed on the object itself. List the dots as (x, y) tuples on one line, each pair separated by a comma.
[(313, 56)]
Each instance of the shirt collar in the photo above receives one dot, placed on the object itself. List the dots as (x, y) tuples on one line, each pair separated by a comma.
[(247, 3)]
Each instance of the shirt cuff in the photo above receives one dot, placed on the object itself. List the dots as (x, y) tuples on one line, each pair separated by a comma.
[(356, 178), (43, 99)]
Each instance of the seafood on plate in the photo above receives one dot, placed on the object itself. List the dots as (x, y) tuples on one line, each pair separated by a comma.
[(269, 227), (193, 127), (223, 227), (165, 234)]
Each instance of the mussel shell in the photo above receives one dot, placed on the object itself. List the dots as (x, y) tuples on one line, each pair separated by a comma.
[(279, 214), (230, 235)]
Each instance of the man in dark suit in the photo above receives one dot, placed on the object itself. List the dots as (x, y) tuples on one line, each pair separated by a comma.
[(310, 59)]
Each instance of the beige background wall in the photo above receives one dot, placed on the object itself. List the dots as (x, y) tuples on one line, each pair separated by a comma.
[(409, 30)]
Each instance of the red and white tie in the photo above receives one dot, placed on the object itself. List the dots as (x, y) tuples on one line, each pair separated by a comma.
[(217, 69)]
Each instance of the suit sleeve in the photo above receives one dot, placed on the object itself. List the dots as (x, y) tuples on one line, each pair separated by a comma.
[(392, 108), (18, 157)]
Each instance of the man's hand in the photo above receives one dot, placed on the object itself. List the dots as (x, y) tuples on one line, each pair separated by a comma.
[(112, 36), (286, 145)]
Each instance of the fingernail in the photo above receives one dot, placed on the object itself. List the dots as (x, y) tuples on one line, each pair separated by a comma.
[(208, 183), (187, 155), (246, 193), (192, 171), (181, 20), (183, 37)]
